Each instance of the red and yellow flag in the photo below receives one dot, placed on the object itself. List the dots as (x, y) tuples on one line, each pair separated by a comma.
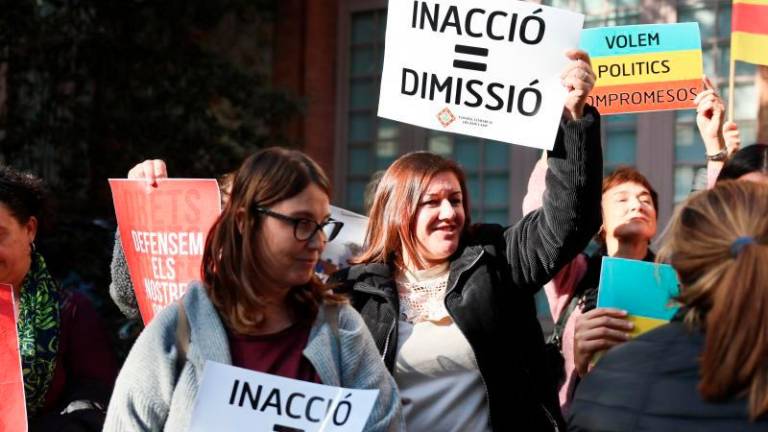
[(749, 31)]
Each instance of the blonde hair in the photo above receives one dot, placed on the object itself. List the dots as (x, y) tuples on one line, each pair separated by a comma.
[(725, 286)]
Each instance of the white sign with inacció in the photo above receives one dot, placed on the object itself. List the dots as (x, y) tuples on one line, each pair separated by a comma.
[(489, 69), (233, 399)]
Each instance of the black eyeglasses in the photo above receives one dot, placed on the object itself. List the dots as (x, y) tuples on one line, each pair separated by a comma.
[(304, 229)]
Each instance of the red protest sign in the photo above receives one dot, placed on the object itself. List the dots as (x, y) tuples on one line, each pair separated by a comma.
[(13, 410), (163, 231)]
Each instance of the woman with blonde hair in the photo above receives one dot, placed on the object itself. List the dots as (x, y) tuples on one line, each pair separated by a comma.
[(259, 306), (707, 370)]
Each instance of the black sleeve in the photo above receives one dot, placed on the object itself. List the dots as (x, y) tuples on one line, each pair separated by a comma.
[(548, 238)]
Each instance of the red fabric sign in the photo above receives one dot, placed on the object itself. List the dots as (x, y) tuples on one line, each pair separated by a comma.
[(13, 409), (163, 230)]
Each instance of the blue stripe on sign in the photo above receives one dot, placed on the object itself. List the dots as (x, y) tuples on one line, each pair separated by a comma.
[(638, 39)]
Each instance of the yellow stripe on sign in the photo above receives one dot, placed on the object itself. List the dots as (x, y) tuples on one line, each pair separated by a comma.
[(647, 68), (749, 47), (644, 324), (754, 2)]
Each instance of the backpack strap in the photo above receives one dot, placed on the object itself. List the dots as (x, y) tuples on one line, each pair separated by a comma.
[(556, 337), (182, 336)]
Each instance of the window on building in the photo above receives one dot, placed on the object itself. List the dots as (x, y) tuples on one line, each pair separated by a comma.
[(372, 143)]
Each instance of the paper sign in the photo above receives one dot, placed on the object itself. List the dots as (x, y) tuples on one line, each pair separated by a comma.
[(347, 244), (644, 289), (644, 67), (489, 69), (13, 409), (232, 399), (163, 230)]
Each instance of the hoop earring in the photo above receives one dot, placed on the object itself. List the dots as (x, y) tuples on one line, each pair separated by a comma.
[(32, 248)]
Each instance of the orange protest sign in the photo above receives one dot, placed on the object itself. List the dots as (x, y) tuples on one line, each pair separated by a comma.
[(13, 410), (649, 67), (163, 231)]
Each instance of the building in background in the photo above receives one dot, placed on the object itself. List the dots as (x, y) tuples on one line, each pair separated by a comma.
[(331, 53)]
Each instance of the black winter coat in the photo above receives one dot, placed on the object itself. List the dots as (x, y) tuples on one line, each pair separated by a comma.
[(493, 277), (650, 384)]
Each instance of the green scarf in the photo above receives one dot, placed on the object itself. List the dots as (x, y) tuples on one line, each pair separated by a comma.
[(38, 328)]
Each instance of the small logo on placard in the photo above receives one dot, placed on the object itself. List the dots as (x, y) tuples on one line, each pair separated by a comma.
[(445, 117)]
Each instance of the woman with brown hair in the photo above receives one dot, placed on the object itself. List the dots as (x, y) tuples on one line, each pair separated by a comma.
[(447, 301), (707, 370), (259, 306)]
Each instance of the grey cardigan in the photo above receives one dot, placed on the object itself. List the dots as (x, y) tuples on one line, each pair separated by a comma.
[(121, 287), (150, 394)]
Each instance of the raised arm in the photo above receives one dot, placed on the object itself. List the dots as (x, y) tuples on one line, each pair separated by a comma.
[(548, 238)]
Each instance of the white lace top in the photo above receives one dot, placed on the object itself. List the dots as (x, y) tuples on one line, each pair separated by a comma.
[(421, 294), (436, 371)]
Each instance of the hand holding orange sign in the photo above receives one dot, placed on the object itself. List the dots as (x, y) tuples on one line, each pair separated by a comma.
[(163, 230)]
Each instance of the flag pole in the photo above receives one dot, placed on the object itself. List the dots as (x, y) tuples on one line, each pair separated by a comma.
[(731, 76)]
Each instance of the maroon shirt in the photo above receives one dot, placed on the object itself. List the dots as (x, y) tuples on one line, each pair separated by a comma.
[(276, 354)]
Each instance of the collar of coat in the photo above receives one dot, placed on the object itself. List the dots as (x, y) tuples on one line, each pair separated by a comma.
[(379, 277)]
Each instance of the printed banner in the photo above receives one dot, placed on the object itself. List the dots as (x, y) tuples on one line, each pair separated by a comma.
[(163, 230), (644, 67), (488, 69), (13, 409), (232, 399), (644, 289)]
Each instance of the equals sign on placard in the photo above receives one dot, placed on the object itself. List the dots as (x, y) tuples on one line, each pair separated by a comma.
[(470, 50)]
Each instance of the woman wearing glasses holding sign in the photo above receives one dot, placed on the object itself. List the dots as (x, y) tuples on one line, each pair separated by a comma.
[(450, 305), (259, 306)]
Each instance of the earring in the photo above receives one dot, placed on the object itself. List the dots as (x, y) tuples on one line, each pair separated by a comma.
[(32, 248)]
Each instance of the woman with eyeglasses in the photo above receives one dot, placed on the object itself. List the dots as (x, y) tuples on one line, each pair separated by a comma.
[(259, 306)]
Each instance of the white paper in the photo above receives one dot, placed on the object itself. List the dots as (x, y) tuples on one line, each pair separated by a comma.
[(523, 63), (350, 240), (274, 403)]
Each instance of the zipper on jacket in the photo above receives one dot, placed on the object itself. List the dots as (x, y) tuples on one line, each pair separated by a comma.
[(386, 341), (474, 356), (550, 417), (370, 289)]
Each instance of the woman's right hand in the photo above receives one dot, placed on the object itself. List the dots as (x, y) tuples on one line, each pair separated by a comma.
[(579, 78), (598, 330), (710, 115), (150, 170)]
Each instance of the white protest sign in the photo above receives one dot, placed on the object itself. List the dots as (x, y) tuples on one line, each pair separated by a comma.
[(350, 240), (488, 68), (232, 399)]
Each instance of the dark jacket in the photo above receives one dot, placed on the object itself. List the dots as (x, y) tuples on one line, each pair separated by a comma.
[(493, 276), (650, 384)]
